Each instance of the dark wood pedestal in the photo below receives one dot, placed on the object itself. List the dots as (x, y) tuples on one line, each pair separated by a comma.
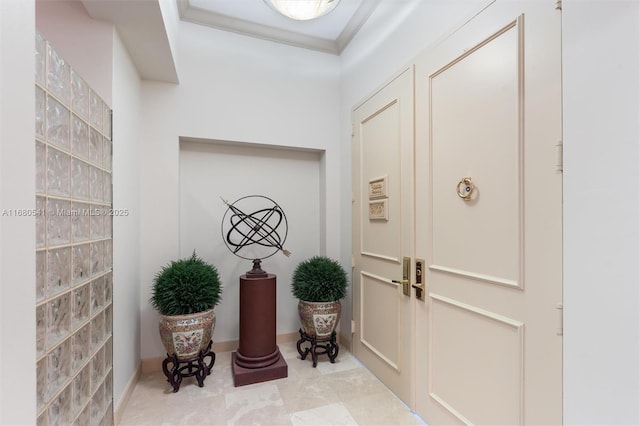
[(327, 345), (258, 358), (196, 366)]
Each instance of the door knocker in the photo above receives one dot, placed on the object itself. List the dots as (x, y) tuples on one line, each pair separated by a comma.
[(465, 188)]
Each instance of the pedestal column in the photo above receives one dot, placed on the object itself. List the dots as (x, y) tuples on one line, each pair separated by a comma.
[(258, 358)]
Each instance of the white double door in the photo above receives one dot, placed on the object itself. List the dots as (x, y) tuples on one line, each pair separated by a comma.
[(455, 163)]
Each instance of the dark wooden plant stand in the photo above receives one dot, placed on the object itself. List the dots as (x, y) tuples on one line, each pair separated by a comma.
[(190, 367), (329, 347)]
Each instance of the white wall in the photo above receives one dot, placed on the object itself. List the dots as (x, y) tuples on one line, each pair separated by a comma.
[(291, 178), (232, 88), (126, 229), (17, 189), (601, 75)]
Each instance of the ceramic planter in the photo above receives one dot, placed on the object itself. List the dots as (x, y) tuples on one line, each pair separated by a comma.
[(319, 318), (187, 335)]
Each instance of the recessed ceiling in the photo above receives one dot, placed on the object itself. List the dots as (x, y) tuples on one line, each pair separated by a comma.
[(330, 33)]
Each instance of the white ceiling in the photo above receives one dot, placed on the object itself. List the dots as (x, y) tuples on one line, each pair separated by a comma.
[(142, 29), (330, 33)]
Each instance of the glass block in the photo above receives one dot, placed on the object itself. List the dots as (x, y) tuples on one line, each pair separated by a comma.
[(80, 346), (108, 288), (95, 110), (97, 222), (107, 154), (41, 383), (41, 57), (108, 415), (79, 137), (97, 331), (58, 366), (95, 146), (59, 321), (58, 270), (79, 95), (41, 167), (58, 75), (106, 120), (42, 419), (80, 223), (60, 408), (108, 354), (97, 405), (97, 295), (81, 304), (57, 123), (58, 177), (58, 221), (41, 102), (97, 368), (108, 320), (97, 258), (79, 179), (81, 389), (108, 254), (95, 183), (81, 261), (41, 222), (108, 226), (108, 388), (84, 418), (41, 329), (106, 187), (41, 273)]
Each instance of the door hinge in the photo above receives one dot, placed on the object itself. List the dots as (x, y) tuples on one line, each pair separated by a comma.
[(560, 329), (353, 327), (558, 4), (559, 157)]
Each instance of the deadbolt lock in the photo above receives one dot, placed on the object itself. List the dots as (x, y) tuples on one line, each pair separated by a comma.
[(419, 285)]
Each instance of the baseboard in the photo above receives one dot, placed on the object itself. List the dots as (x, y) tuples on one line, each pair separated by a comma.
[(344, 342), (119, 408), (150, 365)]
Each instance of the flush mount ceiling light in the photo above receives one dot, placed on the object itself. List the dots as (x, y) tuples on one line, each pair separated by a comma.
[(303, 10)]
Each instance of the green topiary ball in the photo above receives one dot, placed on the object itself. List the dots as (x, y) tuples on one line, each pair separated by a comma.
[(319, 279), (186, 286)]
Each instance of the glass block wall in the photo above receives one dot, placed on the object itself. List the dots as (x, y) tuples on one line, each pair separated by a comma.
[(73, 246)]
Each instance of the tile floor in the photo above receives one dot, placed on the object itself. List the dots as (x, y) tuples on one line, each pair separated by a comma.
[(344, 393)]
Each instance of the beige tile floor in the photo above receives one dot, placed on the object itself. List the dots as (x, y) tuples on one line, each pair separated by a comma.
[(344, 393)]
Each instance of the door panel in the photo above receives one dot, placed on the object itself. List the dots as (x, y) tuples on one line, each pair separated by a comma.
[(382, 231), (488, 133), (488, 109)]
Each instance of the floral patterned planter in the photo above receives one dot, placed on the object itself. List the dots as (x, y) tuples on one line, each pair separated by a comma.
[(319, 318), (187, 335)]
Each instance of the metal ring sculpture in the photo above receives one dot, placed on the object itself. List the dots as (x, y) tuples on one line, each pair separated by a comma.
[(262, 229)]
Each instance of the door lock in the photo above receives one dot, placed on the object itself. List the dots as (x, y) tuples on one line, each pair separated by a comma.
[(419, 285), (406, 276)]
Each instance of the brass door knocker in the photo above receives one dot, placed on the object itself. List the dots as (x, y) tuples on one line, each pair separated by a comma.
[(465, 188)]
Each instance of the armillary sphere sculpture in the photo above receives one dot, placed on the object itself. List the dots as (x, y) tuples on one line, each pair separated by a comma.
[(255, 228)]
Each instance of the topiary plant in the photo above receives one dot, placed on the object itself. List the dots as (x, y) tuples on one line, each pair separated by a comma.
[(319, 279), (186, 286)]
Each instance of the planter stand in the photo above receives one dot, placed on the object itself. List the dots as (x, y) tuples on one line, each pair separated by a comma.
[(190, 367), (331, 347)]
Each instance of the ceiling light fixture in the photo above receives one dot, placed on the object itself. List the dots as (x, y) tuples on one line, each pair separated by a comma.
[(303, 10)]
